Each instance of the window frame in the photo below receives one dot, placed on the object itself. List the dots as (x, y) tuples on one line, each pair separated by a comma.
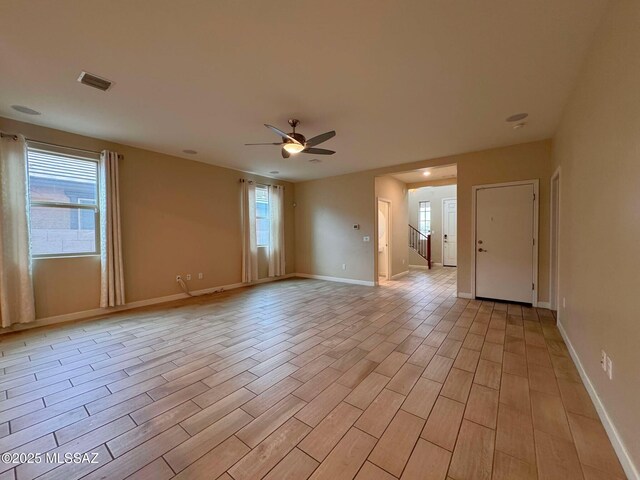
[(268, 217), (420, 213), (79, 155)]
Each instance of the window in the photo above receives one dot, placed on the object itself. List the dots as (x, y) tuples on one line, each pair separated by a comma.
[(424, 218), (63, 192), (262, 216)]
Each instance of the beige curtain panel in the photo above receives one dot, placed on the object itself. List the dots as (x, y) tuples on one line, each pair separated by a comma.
[(249, 243), (276, 244), (112, 273), (16, 286)]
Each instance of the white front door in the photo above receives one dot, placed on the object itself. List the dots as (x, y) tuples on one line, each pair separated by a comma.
[(504, 249), (449, 232)]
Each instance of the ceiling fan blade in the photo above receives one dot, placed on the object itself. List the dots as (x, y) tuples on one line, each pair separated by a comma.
[(312, 142), (282, 134), (285, 154), (318, 151), (263, 143)]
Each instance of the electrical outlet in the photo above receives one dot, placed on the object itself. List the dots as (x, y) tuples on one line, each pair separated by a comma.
[(178, 278), (603, 360), (403, 261), (188, 276), (200, 276), (344, 266), (366, 239), (609, 368)]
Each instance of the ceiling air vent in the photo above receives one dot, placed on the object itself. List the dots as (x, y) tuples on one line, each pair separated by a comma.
[(95, 81)]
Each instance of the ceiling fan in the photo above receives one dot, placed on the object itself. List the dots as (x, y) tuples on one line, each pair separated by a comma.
[(293, 143)]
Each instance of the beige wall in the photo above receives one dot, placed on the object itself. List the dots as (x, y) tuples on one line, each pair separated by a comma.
[(394, 190), (325, 212), (178, 216), (435, 195), (346, 199), (598, 149)]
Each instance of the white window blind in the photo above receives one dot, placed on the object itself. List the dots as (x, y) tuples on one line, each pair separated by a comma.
[(262, 216), (64, 212), (424, 218)]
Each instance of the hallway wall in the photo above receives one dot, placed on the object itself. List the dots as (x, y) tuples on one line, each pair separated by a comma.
[(392, 189), (598, 150), (435, 196)]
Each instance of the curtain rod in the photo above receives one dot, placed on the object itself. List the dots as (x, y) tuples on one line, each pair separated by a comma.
[(259, 183), (15, 137)]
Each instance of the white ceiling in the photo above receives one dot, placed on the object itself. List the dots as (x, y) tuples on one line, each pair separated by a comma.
[(435, 173), (400, 81)]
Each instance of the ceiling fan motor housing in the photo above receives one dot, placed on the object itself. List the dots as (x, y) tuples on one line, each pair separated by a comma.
[(298, 136)]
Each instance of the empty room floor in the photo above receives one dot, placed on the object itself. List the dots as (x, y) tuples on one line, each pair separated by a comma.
[(304, 379)]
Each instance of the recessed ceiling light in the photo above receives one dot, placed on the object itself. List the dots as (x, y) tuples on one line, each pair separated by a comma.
[(520, 125), (517, 117), (426, 174), (189, 152), (274, 172), (315, 160), (26, 110)]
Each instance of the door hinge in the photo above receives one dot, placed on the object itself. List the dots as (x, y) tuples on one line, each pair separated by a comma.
[(533, 286), (534, 242), (534, 197)]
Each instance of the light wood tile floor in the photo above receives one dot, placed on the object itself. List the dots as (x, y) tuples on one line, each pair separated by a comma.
[(304, 379)]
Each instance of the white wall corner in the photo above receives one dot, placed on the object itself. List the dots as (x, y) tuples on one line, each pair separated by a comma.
[(464, 295), (621, 451), (544, 305)]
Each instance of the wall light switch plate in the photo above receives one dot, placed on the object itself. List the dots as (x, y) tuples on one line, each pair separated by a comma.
[(344, 266), (200, 276)]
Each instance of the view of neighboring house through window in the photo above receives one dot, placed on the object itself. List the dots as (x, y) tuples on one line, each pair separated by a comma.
[(64, 213), (262, 216), (424, 218)]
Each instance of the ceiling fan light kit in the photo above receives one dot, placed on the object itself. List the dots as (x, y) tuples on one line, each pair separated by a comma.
[(294, 143)]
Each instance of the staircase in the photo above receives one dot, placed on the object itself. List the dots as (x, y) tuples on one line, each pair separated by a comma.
[(420, 243)]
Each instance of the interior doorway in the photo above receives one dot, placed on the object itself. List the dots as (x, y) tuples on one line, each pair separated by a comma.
[(554, 274), (384, 239), (450, 232), (506, 243)]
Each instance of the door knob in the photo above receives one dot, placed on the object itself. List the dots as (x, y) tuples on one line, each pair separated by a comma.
[(481, 250), (479, 242)]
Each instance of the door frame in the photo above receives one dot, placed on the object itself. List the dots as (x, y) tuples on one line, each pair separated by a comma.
[(389, 238), (474, 240), (442, 229), (554, 234)]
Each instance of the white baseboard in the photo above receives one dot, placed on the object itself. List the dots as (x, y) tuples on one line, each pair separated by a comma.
[(336, 279), (422, 267), (436, 264), (464, 295), (97, 312), (399, 275), (543, 305), (618, 445)]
